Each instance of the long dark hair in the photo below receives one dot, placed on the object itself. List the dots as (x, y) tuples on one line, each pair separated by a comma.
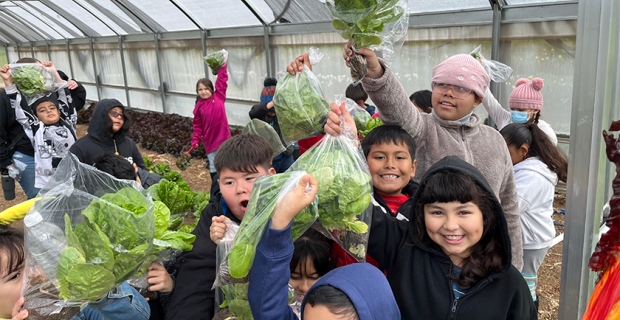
[(335, 300), (518, 134), (422, 99), (488, 256), (312, 246), (12, 248), (205, 82)]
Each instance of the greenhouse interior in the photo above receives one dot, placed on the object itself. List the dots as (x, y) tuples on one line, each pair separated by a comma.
[(149, 54)]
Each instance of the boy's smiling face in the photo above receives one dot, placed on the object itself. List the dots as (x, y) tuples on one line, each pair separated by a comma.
[(236, 187), (449, 107), (391, 167)]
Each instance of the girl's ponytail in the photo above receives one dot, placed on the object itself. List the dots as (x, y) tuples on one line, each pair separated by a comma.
[(518, 134)]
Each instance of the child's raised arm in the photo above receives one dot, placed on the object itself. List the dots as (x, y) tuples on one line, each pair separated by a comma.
[(387, 93), (500, 116), (221, 83)]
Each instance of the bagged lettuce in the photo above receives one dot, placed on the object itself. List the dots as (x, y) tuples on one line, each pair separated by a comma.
[(89, 233), (300, 103), (266, 194), (380, 25), (359, 114), (33, 80), (345, 190), (216, 60)]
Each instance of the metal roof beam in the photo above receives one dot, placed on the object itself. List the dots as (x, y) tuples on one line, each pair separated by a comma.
[(27, 24), (255, 12), (18, 27), (23, 4), (35, 15), (188, 14), (96, 15), (83, 27), (110, 15), (132, 10)]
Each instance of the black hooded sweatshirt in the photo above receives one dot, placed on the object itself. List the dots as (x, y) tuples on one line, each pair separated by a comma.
[(192, 297), (99, 142), (404, 212), (418, 274)]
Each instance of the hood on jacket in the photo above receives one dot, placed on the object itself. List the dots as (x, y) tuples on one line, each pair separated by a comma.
[(534, 164), (99, 129), (367, 288), (455, 163)]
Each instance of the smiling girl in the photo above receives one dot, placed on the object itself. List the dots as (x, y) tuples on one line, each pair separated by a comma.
[(210, 122)]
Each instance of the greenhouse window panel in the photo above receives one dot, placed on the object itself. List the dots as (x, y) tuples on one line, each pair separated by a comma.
[(12, 34), (40, 9), (300, 10), (36, 22), (219, 13), (165, 13), (418, 6), (19, 28), (45, 19), (114, 12), (106, 17), (78, 13)]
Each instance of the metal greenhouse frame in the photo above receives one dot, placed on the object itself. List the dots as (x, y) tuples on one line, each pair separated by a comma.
[(34, 27)]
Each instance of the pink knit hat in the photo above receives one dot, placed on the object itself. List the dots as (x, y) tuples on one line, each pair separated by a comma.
[(527, 94), (462, 70)]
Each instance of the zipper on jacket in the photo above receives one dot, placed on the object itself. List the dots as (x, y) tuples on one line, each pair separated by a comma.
[(456, 301), (467, 294), (462, 133)]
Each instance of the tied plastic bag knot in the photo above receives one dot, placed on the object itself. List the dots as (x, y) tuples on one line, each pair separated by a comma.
[(16, 170), (496, 70), (315, 56), (33, 80)]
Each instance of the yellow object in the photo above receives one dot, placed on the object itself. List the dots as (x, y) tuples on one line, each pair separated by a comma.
[(16, 212)]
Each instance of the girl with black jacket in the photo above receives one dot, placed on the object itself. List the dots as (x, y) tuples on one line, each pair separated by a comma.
[(107, 133), (453, 260)]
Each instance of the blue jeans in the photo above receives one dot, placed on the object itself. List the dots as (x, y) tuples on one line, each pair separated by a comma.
[(211, 157), (282, 163), (122, 303), (28, 176)]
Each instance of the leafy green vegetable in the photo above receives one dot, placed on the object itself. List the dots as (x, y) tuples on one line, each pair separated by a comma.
[(262, 203), (148, 163), (184, 162), (361, 119), (344, 187), (176, 198), (161, 169), (237, 300), (107, 247), (29, 79), (361, 21), (373, 123), (475, 55), (300, 105), (215, 61)]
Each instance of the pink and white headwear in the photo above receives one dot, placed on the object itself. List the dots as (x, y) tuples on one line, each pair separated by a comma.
[(462, 70)]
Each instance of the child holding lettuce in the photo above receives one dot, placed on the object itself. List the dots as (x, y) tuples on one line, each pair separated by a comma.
[(123, 302)]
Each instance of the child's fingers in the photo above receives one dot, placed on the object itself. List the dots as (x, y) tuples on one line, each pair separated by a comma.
[(335, 107), (313, 184), (18, 306), (156, 267), (156, 287), (332, 129)]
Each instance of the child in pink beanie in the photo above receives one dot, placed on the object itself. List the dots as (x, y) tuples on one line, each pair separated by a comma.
[(526, 101), (452, 128)]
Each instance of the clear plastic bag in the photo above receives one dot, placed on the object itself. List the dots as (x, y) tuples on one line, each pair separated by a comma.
[(166, 243), (300, 103), (345, 190), (497, 71), (236, 305), (89, 233), (359, 114), (267, 192), (33, 80), (16, 170), (223, 250), (294, 301), (216, 60), (380, 25)]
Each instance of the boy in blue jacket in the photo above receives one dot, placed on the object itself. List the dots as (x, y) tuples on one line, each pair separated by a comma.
[(358, 291)]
